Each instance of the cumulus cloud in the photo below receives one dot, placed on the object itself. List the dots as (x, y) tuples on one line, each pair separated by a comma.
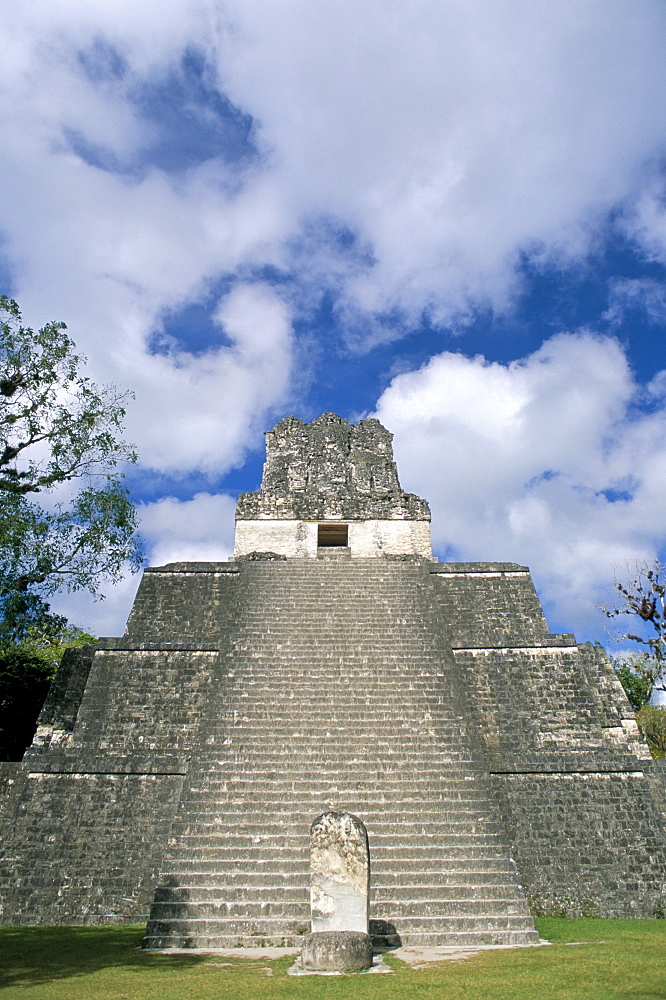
[(452, 138), (200, 411), (448, 141), (542, 461), (196, 530), (645, 219), (100, 617)]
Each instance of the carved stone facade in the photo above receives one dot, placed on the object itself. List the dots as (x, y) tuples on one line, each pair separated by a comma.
[(331, 475)]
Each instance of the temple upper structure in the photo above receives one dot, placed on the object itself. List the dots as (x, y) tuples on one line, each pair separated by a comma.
[(331, 485)]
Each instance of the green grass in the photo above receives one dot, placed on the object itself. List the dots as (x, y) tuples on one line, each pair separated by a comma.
[(613, 960)]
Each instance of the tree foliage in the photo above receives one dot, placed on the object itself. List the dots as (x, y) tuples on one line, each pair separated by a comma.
[(651, 720), (643, 598), (57, 426), (24, 682), (638, 675), (66, 520), (32, 644)]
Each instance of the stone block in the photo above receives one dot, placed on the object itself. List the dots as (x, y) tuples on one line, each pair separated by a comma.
[(337, 951)]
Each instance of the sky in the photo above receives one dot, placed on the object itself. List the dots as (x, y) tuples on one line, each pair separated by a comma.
[(448, 214)]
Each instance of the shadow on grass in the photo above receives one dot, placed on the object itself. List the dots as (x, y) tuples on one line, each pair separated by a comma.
[(612, 960), (33, 955)]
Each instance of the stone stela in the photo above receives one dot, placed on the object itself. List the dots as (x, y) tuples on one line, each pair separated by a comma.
[(339, 895), (339, 873), (333, 667)]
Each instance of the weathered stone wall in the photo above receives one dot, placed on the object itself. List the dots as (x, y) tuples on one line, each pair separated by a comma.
[(330, 470), (570, 769), (183, 601), (444, 678), (374, 538), (366, 538), (288, 538), (12, 780), (490, 604), (89, 812), (586, 844), (329, 456), (86, 848), (62, 703)]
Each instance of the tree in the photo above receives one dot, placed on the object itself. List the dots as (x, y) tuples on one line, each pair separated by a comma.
[(644, 598), (27, 668), (56, 427), (637, 675), (24, 684), (651, 720)]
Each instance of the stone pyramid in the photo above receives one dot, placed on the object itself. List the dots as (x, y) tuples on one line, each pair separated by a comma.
[(333, 664)]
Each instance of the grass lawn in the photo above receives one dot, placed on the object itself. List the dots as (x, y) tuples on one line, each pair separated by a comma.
[(613, 960)]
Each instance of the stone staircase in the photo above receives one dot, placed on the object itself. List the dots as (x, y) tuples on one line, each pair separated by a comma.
[(337, 690)]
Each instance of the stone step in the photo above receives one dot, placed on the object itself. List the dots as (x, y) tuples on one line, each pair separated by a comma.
[(350, 725), (323, 771), (211, 847), (398, 788), (226, 767), (308, 750), (331, 713), (452, 939), (254, 716), (206, 826), (241, 796), (312, 802), (206, 927), (317, 712), (420, 735), (374, 708), (385, 880), (333, 748), (267, 855), (191, 831), (235, 909), (336, 673), (299, 893), (337, 680), (389, 785), (184, 870), (368, 634), (445, 893), (361, 650)]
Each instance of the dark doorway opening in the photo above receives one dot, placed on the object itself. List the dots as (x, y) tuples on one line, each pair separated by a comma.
[(332, 534)]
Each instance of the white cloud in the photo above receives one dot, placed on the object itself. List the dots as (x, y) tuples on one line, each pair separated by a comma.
[(197, 530), (200, 411), (106, 617), (450, 138), (645, 294), (645, 220), (540, 461)]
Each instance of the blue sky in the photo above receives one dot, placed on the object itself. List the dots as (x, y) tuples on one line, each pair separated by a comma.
[(451, 215)]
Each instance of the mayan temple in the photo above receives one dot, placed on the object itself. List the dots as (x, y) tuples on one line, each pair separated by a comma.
[(333, 664)]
